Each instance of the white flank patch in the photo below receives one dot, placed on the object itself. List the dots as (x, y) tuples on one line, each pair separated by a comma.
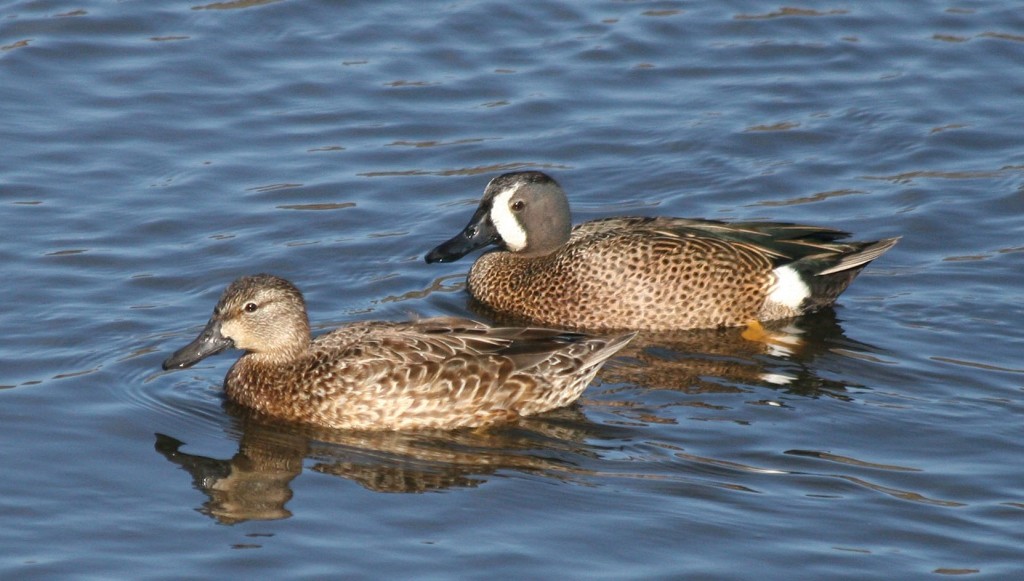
[(789, 290), (509, 228)]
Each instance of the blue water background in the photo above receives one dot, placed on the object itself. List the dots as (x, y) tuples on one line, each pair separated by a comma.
[(150, 152)]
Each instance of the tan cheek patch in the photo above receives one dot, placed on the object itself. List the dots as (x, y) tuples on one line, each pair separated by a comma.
[(232, 330)]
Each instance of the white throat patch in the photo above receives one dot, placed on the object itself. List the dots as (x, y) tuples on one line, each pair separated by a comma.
[(508, 226)]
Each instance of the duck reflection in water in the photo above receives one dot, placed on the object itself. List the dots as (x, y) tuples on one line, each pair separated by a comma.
[(777, 354), (255, 483)]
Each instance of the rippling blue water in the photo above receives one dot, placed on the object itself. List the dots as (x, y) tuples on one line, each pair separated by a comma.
[(151, 152)]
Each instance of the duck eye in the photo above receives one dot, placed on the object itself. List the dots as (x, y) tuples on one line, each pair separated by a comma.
[(250, 307), (518, 205), (471, 232)]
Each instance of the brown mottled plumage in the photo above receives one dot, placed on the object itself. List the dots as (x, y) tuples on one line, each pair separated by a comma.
[(657, 274), (434, 373)]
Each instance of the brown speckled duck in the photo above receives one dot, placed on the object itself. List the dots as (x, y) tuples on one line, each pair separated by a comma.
[(657, 274), (434, 373)]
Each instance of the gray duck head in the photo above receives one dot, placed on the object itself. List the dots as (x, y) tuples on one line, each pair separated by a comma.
[(523, 212)]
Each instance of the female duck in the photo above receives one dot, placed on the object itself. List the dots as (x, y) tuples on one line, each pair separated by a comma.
[(433, 373), (657, 274)]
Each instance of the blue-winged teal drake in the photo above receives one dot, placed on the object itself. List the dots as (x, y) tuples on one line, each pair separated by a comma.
[(433, 373), (657, 274)]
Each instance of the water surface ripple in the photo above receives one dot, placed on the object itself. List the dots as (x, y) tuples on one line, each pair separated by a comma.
[(154, 151)]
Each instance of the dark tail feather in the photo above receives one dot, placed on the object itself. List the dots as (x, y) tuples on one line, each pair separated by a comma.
[(828, 278), (859, 259)]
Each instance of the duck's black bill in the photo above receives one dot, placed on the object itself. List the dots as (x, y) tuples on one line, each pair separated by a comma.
[(479, 233), (209, 342)]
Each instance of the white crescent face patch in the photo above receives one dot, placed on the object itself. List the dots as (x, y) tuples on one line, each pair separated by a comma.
[(506, 223)]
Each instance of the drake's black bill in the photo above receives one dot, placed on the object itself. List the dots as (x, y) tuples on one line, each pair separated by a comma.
[(478, 233)]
